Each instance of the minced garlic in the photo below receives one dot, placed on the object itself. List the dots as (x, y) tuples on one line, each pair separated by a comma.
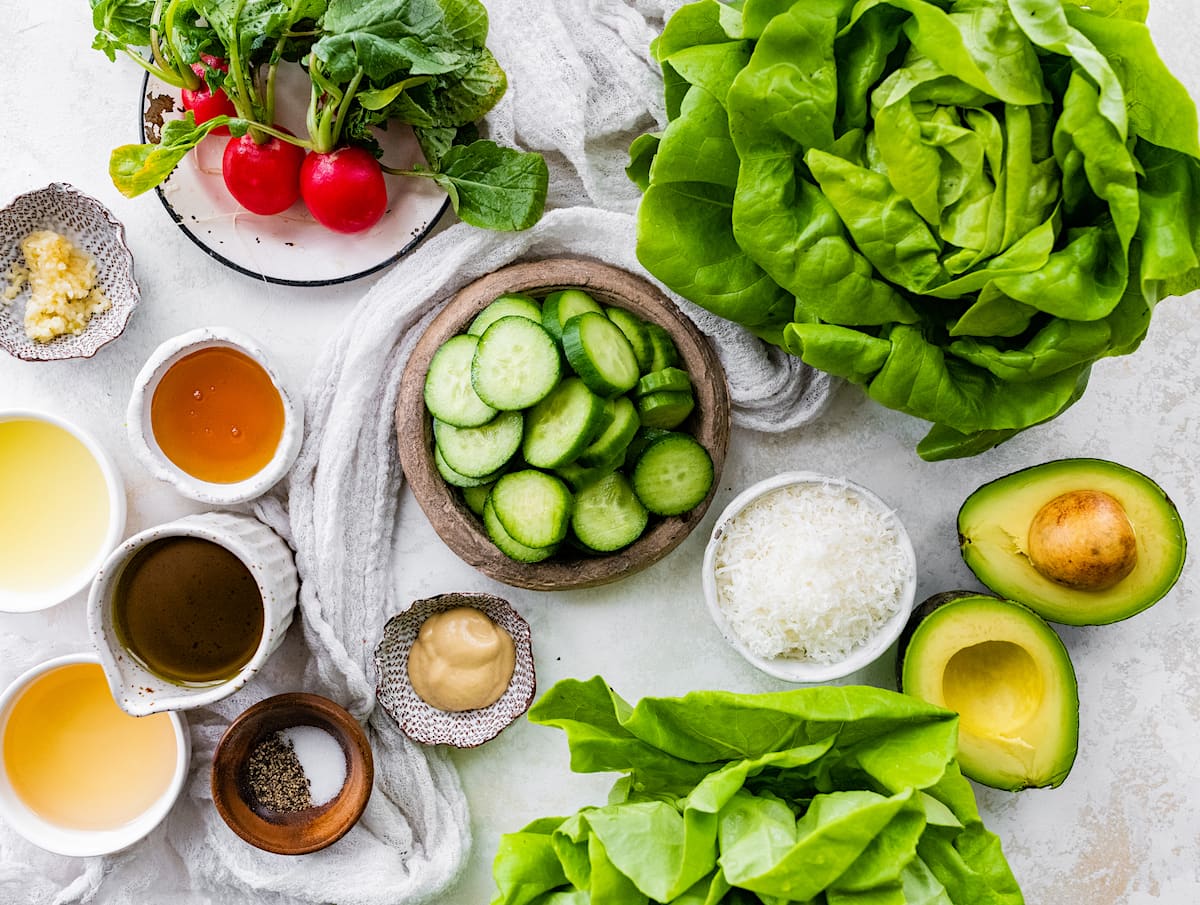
[(62, 283)]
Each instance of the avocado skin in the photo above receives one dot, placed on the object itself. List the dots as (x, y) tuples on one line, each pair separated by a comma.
[(922, 659), (993, 525), (925, 608)]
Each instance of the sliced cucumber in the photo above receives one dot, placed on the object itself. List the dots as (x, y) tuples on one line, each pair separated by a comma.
[(516, 364), (476, 496), (611, 442), (477, 452), (511, 304), (673, 475), (665, 353), (449, 395), (452, 477), (665, 410), (561, 306), (600, 354), (608, 515), (534, 507), (670, 380), (561, 426), (580, 476), (640, 441), (635, 331), (509, 547)]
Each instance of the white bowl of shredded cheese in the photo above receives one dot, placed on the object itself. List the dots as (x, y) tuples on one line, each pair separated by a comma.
[(809, 577)]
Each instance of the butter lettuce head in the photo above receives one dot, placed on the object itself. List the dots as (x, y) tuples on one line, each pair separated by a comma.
[(842, 796), (959, 205)]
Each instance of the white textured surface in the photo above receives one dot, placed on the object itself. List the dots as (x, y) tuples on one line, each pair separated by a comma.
[(1123, 830)]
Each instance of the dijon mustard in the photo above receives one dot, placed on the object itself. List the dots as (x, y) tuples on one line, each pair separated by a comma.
[(461, 660)]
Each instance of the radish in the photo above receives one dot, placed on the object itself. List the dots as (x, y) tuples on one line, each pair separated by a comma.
[(344, 189), (263, 178), (205, 102)]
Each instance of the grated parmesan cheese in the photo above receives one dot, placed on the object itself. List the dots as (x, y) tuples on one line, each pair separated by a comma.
[(810, 571), (62, 283)]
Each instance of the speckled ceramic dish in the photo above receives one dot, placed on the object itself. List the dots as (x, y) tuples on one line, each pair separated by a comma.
[(291, 832), (137, 690), (92, 228), (290, 248), (141, 431), (425, 723), (792, 669)]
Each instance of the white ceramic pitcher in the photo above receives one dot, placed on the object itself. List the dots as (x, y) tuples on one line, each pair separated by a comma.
[(137, 690)]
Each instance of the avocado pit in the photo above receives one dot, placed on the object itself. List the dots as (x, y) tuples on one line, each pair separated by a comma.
[(1083, 540)]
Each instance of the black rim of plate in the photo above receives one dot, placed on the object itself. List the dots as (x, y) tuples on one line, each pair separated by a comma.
[(267, 278)]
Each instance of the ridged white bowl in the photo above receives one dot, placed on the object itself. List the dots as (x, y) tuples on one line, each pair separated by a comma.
[(150, 454), (139, 691)]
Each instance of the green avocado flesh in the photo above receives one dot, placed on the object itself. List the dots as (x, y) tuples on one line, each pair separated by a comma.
[(1009, 678), (993, 531)]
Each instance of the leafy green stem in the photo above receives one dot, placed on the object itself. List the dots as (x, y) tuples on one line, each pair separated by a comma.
[(191, 81)]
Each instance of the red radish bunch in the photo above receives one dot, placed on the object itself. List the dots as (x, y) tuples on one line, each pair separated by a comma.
[(204, 102), (263, 178), (344, 189)]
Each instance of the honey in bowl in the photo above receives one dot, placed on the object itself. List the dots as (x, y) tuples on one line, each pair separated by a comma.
[(217, 415), (54, 505), (188, 610), (75, 759)]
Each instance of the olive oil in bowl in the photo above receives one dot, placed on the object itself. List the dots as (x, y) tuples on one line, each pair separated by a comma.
[(188, 610)]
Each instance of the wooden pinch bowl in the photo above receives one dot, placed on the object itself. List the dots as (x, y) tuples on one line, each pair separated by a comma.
[(291, 832), (456, 524)]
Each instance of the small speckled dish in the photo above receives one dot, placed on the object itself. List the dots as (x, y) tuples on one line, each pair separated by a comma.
[(792, 669), (141, 431), (92, 228), (291, 832), (137, 690), (421, 721)]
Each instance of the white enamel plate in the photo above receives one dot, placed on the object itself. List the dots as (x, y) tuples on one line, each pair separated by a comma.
[(290, 248)]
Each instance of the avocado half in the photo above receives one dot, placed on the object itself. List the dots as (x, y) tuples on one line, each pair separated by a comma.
[(994, 537), (1006, 673)]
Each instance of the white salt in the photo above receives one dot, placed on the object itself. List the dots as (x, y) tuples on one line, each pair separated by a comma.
[(321, 758)]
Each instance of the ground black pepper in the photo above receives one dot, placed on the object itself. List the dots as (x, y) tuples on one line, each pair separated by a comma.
[(275, 777)]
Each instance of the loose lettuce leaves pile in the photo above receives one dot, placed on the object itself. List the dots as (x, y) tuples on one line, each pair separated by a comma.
[(824, 796), (959, 205)]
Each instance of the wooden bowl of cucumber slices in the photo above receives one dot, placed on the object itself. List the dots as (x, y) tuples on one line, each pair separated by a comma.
[(562, 424)]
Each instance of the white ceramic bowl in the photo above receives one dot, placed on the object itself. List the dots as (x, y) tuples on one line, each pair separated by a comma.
[(137, 690), (147, 450), (793, 669), (29, 601), (92, 228), (80, 843)]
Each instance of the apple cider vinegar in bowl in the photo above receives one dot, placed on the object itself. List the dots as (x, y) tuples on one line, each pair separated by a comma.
[(210, 415), (80, 776)]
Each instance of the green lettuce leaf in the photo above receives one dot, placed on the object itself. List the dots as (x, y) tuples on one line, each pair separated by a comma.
[(969, 201), (815, 795)]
